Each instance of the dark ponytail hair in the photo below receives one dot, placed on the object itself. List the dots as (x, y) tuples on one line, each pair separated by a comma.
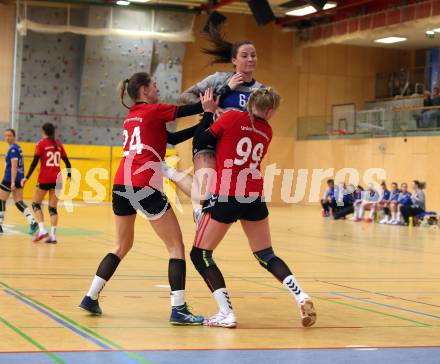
[(132, 86), (11, 131), (420, 185), (49, 130), (222, 51)]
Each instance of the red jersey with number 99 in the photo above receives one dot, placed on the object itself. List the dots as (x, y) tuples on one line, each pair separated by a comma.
[(241, 146), (145, 143), (50, 152)]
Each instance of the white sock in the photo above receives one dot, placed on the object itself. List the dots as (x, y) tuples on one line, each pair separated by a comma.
[(393, 215), (42, 228), (177, 298), (98, 284), (2, 216), (372, 214), (399, 216), (293, 286), (223, 301), (28, 215), (53, 232), (361, 213)]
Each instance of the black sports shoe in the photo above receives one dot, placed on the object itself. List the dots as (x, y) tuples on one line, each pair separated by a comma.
[(1, 229), (91, 306)]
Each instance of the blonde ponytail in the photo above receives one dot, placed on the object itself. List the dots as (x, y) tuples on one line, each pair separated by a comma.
[(263, 99)]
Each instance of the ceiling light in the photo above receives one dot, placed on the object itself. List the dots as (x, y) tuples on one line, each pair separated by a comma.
[(306, 10), (430, 32), (140, 1), (122, 2), (437, 30), (390, 40)]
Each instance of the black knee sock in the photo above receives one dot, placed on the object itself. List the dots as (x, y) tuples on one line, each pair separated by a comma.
[(177, 274), (207, 268), (2, 210), (108, 266), (213, 278), (273, 264), (278, 268)]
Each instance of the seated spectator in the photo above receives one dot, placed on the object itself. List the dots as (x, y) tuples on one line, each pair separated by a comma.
[(344, 203), (369, 197), (384, 206), (423, 117), (427, 101), (417, 205), (328, 198), (403, 199), (435, 97), (433, 116)]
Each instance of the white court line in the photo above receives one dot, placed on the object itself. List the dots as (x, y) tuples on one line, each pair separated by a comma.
[(9, 230)]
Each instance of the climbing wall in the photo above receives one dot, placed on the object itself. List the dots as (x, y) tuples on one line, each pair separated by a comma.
[(71, 80)]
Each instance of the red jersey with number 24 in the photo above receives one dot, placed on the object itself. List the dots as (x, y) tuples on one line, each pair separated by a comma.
[(241, 146), (50, 152), (145, 143)]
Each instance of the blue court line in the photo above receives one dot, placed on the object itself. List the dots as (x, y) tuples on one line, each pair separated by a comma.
[(243, 356), (386, 305), (86, 336), (60, 321)]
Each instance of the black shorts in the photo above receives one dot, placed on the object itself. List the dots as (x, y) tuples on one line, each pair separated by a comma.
[(155, 202), (205, 148), (6, 185), (47, 186), (228, 210)]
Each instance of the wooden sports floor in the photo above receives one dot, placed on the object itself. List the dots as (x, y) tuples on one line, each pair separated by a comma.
[(376, 289)]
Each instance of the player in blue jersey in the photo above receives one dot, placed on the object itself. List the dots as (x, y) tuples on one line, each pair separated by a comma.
[(14, 173), (387, 199), (233, 88), (403, 199)]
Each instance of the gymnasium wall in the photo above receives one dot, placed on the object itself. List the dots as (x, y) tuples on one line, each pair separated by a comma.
[(403, 159), (7, 26), (310, 80), (71, 80), (93, 171)]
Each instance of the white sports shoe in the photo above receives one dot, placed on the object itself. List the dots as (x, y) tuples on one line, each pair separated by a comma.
[(395, 222), (307, 311), (384, 221), (227, 320)]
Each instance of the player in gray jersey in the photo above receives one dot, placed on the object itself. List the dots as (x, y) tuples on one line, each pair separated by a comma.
[(233, 89)]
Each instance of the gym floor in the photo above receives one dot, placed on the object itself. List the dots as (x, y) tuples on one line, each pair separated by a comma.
[(376, 290)]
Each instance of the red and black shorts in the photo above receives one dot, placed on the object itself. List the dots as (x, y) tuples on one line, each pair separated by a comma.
[(127, 200), (229, 209)]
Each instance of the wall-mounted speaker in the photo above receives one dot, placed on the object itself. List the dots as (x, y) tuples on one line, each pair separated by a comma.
[(317, 4), (262, 11)]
